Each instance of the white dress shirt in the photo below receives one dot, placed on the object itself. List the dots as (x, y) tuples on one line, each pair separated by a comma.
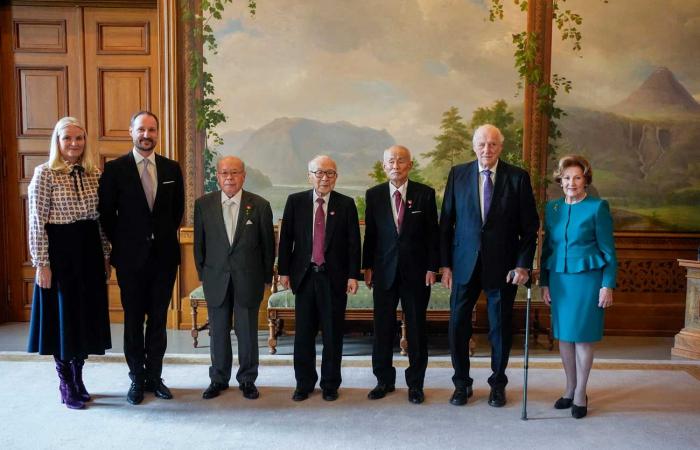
[(151, 168), (230, 208), (325, 209), (481, 186), (402, 190)]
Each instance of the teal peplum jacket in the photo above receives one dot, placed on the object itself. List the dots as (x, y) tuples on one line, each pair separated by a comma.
[(578, 238)]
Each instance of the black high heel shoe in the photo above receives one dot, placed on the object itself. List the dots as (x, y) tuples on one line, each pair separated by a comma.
[(579, 412), (563, 403)]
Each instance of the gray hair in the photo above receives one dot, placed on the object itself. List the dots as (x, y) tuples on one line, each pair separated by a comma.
[(222, 157), (400, 147), (313, 163), (485, 127)]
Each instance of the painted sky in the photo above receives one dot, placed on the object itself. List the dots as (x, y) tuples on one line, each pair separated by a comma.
[(623, 41), (389, 64), (398, 64)]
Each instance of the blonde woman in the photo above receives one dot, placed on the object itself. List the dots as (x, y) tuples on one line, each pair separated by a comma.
[(70, 317)]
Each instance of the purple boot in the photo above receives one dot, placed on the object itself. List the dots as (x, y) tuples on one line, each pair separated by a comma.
[(69, 395), (76, 365)]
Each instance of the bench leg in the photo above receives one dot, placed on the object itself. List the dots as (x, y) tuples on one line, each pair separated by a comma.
[(403, 343), (194, 333), (272, 340)]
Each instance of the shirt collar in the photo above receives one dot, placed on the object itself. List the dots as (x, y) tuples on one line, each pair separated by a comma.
[(324, 197), (401, 189), (137, 156), (492, 169), (225, 199)]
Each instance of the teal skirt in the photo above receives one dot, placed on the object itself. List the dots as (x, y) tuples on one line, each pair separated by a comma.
[(576, 316)]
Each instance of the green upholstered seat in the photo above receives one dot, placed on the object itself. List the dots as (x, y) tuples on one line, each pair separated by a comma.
[(439, 299)]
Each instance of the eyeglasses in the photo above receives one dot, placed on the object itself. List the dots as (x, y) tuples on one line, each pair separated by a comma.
[(320, 173), (226, 174)]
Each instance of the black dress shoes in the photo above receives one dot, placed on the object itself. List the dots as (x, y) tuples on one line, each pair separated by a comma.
[(135, 394), (330, 395), (299, 395), (563, 403), (158, 388), (497, 397), (214, 390), (460, 395), (249, 390), (380, 391), (579, 412), (416, 396)]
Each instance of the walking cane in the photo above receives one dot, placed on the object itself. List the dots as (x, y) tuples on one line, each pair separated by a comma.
[(523, 415)]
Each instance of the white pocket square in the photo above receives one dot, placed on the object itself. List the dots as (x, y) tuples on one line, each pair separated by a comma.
[(249, 222), (416, 212), (168, 182)]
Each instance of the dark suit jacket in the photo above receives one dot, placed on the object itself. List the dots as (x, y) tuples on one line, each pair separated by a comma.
[(248, 261), (130, 226), (342, 243), (412, 252), (508, 237)]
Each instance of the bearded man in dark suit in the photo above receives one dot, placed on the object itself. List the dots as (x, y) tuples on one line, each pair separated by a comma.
[(234, 250), (488, 234), (141, 202), (319, 259), (400, 259)]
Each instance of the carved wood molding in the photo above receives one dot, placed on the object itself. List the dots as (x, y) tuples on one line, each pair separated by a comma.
[(646, 276), (191, 137), (148, 4)]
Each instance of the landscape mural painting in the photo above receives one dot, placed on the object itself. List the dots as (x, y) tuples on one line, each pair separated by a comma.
[(634, 110), (349, 79)]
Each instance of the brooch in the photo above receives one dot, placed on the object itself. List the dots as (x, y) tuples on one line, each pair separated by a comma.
[(248, 209)]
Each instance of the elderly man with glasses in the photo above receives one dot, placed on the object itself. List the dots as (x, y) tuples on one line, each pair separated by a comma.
[(319, 258)]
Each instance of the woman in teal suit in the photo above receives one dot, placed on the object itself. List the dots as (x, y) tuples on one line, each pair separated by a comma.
[(578, 268)]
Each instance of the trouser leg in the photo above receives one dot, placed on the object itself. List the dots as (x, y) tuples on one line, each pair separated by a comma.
[(385, 302), (414, 303), (306, 317), (245, 324)]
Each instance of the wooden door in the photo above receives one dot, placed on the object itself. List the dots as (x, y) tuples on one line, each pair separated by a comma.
[(121, 78), (99, 65)]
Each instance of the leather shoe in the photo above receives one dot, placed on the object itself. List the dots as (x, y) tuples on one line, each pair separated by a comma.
[(330, 395), (563, 403), (135, 394), (497, 397), (299, 395), (380, 391), (460, 395), (158, 388), (416, 395), (214, 390), (579, 412), (249, 390)]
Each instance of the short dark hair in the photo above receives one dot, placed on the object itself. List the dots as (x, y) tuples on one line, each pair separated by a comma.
[(571, 161), (141, 113)]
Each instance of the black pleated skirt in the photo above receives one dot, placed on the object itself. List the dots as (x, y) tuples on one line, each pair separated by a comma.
[(71, 319)]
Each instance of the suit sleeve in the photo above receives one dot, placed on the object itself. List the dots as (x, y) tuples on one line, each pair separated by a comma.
[(199, 239), (546, 250), (179, 198), (267, 231), (433, 233), (447, 222), (107, 204), (354, 250), (286, 244), (606, 243), (529, 224), (370, 242)]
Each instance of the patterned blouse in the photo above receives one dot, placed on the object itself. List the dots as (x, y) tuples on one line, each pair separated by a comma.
[(60, 198)]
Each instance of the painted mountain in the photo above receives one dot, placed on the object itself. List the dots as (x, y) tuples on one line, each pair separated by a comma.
[(645, 153), (282, 148)]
